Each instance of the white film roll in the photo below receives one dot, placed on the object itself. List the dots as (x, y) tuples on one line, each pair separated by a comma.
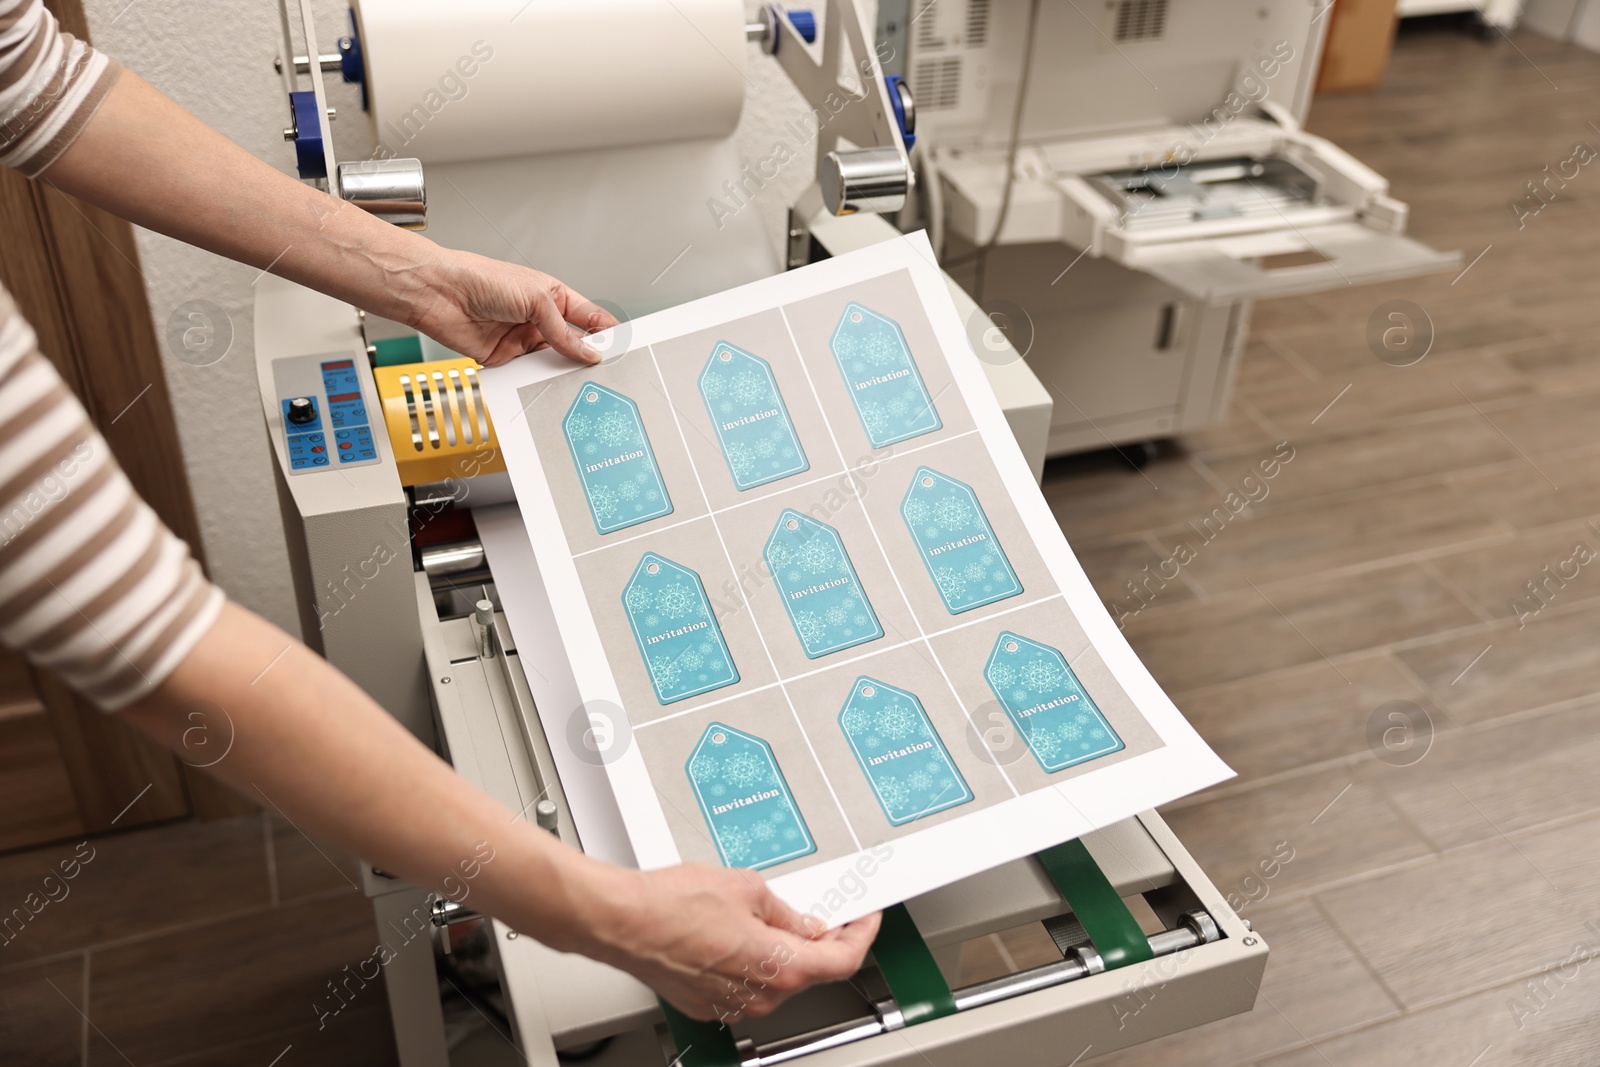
[(486, 79)]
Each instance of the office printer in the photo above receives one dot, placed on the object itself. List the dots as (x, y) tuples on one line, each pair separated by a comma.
[(386, 469), (1120, 212)]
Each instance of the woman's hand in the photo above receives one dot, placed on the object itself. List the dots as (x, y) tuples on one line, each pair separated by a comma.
[(718, 944), (494, 311)]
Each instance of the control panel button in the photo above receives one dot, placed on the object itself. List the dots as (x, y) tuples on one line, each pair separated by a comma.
[(302, 409)]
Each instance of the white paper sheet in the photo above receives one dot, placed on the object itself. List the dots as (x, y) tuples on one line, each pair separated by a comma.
[(862, 861)]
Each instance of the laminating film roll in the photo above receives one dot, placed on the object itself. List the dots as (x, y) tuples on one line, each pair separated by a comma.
[(486, 79)]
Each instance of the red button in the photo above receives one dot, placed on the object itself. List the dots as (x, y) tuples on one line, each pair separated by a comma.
[(317, 448), (345, 444)]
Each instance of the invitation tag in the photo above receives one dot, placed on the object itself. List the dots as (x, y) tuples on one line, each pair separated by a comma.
[(615, 463), (752, 424), (906, 764), (818, 586), (881, 377), (676, 630), (1047, 704), (745, 801), (956, 542)]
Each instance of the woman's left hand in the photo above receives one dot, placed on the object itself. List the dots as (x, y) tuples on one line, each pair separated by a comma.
[(495, 311)]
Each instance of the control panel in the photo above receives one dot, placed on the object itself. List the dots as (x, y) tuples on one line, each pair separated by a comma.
[(325, 413)]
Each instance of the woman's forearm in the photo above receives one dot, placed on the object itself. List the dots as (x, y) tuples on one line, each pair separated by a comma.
[(145, 158)]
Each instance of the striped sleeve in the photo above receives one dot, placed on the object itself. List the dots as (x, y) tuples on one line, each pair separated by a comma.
[(92, 585), (51, 84)]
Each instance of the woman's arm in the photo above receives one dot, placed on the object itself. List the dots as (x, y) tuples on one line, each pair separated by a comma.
[(145, 158), (308, 741)]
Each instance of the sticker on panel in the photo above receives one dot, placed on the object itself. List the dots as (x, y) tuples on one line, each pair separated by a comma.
[(1047, 704), (745, 800), (882, 378), (752, 423), (677, 631), (908, 767), (621, 480)]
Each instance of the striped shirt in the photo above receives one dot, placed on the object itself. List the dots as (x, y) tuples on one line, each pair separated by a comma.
[(92, 585)]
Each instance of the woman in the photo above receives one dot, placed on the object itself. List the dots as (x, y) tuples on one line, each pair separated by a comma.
[(93, 587)]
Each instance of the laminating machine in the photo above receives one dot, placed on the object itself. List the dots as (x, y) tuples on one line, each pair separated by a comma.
[(1117, 182), (390, 485)]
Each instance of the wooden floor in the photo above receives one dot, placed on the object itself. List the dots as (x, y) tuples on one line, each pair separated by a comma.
[(1384, 564), (1424, 894)]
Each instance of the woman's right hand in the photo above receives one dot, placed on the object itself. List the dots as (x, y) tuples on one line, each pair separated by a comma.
[(716, 943)]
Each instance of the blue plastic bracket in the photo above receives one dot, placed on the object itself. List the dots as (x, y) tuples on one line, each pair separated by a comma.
[(308, 153), (893, 82)]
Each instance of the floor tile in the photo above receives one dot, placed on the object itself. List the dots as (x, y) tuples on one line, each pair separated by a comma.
[(305, 868), (1475, 785), (263, 963), (1521, 902), (150, 879), (1336, 823), (1268, 724), (1283, 543), (1502, 670), (1513, 494), (1519, 578), (1349, 612), (40, 1020), (1382, 393), (1364, 459), (1187, 646), (1548, 424), (1479, 1031)]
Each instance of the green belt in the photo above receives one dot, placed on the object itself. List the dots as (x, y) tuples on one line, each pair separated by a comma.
[(920, 991), (1098, 908), (914, 979)]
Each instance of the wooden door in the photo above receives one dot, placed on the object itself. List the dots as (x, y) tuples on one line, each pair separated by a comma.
[(65, 767)]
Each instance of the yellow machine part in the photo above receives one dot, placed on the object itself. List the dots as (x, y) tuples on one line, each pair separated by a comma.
[(438, 422)]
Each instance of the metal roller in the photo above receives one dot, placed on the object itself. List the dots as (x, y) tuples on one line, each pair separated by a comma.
[(1194, 928), (863, 179), (391, 189)]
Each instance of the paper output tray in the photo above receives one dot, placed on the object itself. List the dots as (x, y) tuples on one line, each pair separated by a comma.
[(1288, 262)]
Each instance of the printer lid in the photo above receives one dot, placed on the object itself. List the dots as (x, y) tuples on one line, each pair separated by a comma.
[(1103, 66)]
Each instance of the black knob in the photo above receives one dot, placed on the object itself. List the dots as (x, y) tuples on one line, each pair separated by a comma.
[(302, 409)]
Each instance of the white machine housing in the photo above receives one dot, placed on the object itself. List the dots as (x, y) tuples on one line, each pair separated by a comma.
[(405, 623), (1161, 183)]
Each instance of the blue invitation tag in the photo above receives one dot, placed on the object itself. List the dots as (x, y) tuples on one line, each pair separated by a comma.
[(620, 478), (1047, 704), (905, 762), (749, 416), (956, 542), (677, 633), (881, 377), (745, 801), (818, 586)]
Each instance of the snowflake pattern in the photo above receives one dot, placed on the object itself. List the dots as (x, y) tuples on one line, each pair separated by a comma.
[(745, 770), (898, 722), (615, 429), (677, 600), (817, 555)]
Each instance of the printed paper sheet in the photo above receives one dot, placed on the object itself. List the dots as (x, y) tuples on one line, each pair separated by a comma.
[(814, 603)]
